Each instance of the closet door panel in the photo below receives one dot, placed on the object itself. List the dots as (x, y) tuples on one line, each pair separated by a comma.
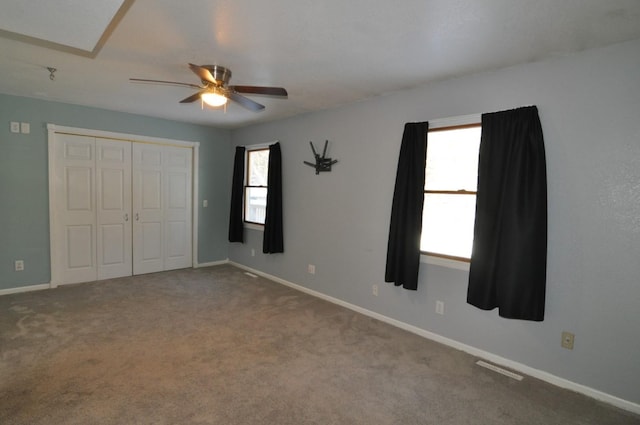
[(74, 235), (178, 211), (148, 232), (113, 193), (79, 244)]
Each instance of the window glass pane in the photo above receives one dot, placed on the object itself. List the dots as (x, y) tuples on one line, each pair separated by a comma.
[(447, 224), (452, 159), (255, 204), (258, 165)]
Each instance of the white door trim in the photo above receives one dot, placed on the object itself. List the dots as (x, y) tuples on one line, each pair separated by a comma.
[(52, 129)]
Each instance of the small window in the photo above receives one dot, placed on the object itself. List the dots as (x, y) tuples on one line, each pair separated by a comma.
[(450, 191), (255, 189)]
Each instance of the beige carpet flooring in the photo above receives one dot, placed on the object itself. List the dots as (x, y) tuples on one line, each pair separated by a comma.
[(215, 346)]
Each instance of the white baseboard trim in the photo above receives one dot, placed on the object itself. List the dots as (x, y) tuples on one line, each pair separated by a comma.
[(485, 355), (211, 263), (53, 285), (29, 288)]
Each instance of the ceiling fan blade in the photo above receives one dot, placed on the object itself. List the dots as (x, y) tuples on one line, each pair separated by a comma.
[(169, 83), (203, 73), (268, 91), (244, 101), (192, 98)]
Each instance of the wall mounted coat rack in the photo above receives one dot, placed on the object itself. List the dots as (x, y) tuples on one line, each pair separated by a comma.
[(322, 162)]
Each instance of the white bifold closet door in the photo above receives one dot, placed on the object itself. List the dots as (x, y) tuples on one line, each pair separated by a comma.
[(162, 208), (115, 217), (92, 208), (113, 205), (74, 243)]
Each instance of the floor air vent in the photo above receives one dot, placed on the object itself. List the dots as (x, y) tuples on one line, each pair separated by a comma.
[(500, 370)]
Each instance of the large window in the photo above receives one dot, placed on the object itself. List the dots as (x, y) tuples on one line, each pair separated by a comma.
[(255, 189), (450, 191)]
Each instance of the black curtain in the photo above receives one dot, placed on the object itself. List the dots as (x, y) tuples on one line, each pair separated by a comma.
[(403, 249), (236, 226), (272, 240), (509, 259)]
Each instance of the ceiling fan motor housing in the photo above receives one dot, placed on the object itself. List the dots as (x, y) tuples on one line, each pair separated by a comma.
[(220, 74)]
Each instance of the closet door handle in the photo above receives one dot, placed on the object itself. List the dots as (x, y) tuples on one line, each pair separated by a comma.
[(137, 217), (126, 216)]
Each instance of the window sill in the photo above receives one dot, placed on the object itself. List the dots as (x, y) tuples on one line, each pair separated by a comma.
[(253, 226), (444, 262)]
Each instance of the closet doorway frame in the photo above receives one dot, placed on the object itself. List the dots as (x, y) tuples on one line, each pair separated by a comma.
[(53, 129)]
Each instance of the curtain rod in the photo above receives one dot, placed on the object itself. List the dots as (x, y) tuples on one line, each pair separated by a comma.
[(258, 145)]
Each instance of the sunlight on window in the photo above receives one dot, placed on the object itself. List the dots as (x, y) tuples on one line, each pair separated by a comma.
[(450, 186), (447, 224), (258, 164)]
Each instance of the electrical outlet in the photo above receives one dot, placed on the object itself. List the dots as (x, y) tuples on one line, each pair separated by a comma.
[(205, 203), (567, 340), (311, 269), (25, 128), (15, 127), (19, 265), (440, 307), (374, 289), (253, 252)]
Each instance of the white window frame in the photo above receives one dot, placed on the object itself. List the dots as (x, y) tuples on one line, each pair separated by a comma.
[(441, 123)]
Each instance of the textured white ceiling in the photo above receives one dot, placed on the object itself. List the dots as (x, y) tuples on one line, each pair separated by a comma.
[(326, 53), (78, 24)]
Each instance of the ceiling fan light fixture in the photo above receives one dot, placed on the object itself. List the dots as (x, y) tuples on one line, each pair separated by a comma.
[(213, 98), (215, 91)]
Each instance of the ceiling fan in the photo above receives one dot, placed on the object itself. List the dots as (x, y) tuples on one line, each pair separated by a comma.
[(215, 90)]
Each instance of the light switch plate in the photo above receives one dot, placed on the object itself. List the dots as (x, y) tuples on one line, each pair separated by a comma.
[(25, 128)]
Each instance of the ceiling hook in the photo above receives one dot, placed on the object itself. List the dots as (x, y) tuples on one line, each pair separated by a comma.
[(51, 73)]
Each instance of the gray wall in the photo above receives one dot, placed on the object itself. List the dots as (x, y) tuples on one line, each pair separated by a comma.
[(24, 202), (590, 106)]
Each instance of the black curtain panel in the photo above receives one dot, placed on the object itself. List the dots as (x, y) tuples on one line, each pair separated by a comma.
[(273, 240), (403, 249), (509, 259), (236, 226)]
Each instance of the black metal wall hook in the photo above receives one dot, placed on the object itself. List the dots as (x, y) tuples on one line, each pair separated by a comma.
[(322, 162)]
